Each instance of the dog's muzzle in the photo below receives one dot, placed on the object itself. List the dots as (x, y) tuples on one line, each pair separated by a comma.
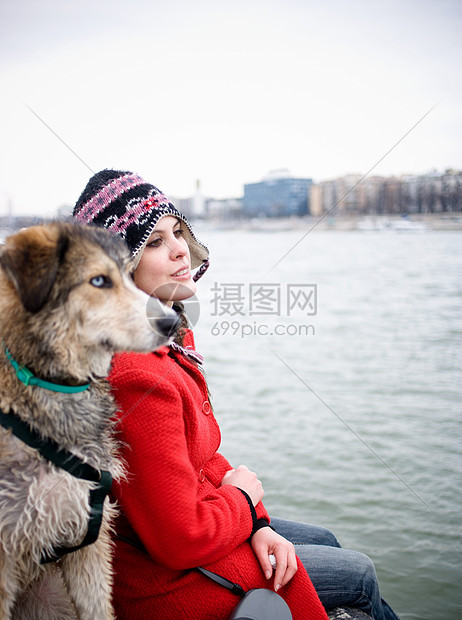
[(167, 325)]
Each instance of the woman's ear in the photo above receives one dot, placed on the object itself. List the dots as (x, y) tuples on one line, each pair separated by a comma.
[(31, 259)]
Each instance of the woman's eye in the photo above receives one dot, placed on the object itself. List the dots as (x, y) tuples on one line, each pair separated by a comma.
[(155, 243), (178, 232), (101, 282)]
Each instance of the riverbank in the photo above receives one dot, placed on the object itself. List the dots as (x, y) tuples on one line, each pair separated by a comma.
[(415, 223)]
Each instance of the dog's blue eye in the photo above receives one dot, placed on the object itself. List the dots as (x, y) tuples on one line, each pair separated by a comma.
[(101, 282)]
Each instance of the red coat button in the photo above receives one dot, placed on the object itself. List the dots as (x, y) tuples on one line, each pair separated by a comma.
[(206, 408), (201, 475)]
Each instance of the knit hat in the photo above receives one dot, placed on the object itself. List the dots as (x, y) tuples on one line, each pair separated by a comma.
[(127, 205)]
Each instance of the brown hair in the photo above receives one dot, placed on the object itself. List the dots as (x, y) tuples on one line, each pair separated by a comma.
[(184, 323)]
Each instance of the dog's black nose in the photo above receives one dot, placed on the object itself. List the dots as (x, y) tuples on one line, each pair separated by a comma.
[(167, 325)]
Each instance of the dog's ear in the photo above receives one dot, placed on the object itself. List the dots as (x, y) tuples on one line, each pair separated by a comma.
[(31, 259)]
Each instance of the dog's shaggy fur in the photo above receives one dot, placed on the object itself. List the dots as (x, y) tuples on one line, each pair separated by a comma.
[(67, 303)]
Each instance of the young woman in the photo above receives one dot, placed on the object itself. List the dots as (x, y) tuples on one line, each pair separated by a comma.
[(182, 505)]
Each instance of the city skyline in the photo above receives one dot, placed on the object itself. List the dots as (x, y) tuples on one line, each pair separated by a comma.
[(279, 194)]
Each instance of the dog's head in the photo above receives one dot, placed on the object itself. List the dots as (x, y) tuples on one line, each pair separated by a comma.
[(67, 289)]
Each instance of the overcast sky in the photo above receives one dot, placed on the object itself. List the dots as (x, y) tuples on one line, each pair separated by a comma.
[(223, 92)]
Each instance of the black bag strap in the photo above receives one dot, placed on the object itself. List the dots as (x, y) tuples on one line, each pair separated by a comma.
[(234, 587), (257, 603)]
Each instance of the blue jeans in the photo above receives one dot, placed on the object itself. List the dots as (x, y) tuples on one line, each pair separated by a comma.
[(342, 578)]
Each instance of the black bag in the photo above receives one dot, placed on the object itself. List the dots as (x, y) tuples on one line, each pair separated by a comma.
[(258, 604), (262, 604)]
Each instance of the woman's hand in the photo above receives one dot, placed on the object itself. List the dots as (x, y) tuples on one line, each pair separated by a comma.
[(247, 481), (266, 542)]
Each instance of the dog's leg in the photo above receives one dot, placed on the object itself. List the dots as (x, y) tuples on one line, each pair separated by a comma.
[(88, 577), (46, 598), (8, 586)]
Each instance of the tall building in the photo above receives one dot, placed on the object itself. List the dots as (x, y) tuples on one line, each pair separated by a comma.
[(277, 195), (198, 201)]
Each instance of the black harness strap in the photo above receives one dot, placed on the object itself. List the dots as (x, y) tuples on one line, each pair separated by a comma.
[(71, 463)]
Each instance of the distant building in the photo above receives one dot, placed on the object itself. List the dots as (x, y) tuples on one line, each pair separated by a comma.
[(198, 201), (192, 207), (433, 192), (185, 206), (277, 195), (352, 194), (64, 212), (346, 195), (224, 209)]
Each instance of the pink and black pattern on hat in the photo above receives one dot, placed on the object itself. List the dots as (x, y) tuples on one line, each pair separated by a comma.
[(127, 205)]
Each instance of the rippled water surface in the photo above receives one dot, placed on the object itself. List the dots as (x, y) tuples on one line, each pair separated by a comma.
[(353, 422)]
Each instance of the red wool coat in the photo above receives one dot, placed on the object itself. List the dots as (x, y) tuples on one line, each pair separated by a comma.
[(172, 502)]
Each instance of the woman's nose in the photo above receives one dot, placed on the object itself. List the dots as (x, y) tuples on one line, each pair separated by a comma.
[(177, 248)]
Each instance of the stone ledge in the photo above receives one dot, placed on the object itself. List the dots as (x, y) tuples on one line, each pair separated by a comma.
[(345, 613)]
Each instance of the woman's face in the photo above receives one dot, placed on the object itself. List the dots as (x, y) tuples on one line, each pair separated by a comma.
[(164, 270)]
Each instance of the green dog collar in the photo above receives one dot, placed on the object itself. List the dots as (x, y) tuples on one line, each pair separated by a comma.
[(28, 378)]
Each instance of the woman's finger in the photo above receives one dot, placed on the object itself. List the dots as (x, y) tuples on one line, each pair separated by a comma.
[(281, 567), (263, 558), (291, 569), (286, 566)]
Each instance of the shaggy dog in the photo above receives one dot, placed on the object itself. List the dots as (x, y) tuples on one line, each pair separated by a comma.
[(67, 303)]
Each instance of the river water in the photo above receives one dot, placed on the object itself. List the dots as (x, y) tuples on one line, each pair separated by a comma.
[(336, 375)]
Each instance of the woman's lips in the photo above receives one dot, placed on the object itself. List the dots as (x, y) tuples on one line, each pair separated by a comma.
[(182, 274)]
